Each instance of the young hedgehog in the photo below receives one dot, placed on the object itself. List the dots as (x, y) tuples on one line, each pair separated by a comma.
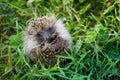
[(45, 38)]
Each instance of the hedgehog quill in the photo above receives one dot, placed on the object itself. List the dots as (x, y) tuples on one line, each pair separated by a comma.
[(45, 38)]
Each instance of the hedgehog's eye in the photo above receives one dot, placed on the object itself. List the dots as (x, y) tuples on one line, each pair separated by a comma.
[(40, 32), (51, 30)]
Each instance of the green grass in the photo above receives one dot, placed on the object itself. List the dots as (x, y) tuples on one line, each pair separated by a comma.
[(93, 24)]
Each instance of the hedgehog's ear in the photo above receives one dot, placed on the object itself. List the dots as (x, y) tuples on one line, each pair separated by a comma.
[(29, 31), (59, 23), (52, 17)]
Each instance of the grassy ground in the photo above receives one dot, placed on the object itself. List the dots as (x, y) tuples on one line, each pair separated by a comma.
[(93, 24)]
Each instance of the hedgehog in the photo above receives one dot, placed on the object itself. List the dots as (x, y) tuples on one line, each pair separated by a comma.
[(46, 38)]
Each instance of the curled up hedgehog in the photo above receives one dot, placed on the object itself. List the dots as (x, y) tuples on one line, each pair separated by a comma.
[(45, 38)]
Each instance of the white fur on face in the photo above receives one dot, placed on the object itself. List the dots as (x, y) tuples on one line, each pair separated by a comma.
[(63, 32), (29, 43)]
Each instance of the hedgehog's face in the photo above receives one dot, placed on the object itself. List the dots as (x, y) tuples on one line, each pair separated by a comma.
[(42, 29), (48, 35)]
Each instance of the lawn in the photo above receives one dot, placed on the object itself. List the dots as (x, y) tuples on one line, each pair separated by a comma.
[(93, 24)]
